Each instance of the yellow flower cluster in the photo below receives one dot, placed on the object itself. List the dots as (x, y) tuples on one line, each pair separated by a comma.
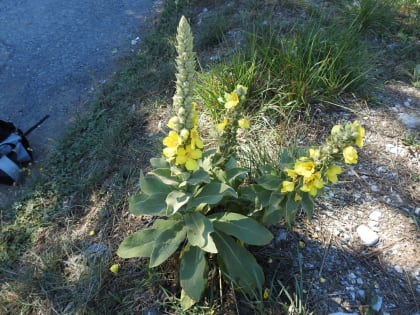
[(231, 100), (307, 175), (352, 132), (183, 146), (310, 173)]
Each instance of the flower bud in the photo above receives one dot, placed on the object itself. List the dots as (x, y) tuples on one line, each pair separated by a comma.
[(184, 134)]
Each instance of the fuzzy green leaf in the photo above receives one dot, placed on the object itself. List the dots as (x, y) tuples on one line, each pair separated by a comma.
[(211, 194), (165, 175), (275, 211), (242, 227), (167, 243), (270, 182), (200, 176), (175, 200), (139, 244), (142, 204), (235, 173), (307, 203), (159, 163), (239, 264), (151, 185), (291, 210), (199, 229), (193, 272)]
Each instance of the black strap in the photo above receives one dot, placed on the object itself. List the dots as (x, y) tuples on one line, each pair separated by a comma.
[(27, 132)]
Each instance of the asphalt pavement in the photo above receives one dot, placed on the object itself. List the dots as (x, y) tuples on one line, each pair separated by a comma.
[(53, 52)]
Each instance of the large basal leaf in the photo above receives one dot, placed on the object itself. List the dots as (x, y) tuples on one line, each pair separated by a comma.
[(242, 227), (193, 272), (167, 243), (165, 175), (175, 200), (143, 204), (239, 264), (199, 229), (139, 244), (211, 194), (151, 185)]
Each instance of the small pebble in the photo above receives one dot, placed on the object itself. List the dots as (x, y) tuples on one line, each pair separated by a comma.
[(374, 188), (375, 215), (398, 269), (367, 236)]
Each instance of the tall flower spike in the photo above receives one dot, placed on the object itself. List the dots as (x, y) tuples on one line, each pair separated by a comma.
[(185, 64)]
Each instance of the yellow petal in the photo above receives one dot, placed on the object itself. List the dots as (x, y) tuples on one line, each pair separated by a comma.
[(287, 186), (350, 155), (243, 123)]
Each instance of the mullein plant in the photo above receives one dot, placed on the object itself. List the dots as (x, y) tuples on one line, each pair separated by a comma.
[(205, 208)]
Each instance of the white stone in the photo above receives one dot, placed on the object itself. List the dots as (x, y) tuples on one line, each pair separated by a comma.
[(367, 236), (417, 211), (375, 215), (395, 149)]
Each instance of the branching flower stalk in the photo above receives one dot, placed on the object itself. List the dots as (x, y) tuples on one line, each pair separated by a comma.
[(232, 120), (310, 173), (183, 144)]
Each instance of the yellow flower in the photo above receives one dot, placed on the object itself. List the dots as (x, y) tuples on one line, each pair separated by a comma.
[(287, 186), (114, 268), (291, 173), (223, 125), (232, 99), (332, 173), (266, 294), (360, 134), (335, 129), (243, 123), (314, 154), (298, 197), (312, 183), (304, 168), (188, 156), (92, 233), (171, 142), (350, 155), (196, 141)]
